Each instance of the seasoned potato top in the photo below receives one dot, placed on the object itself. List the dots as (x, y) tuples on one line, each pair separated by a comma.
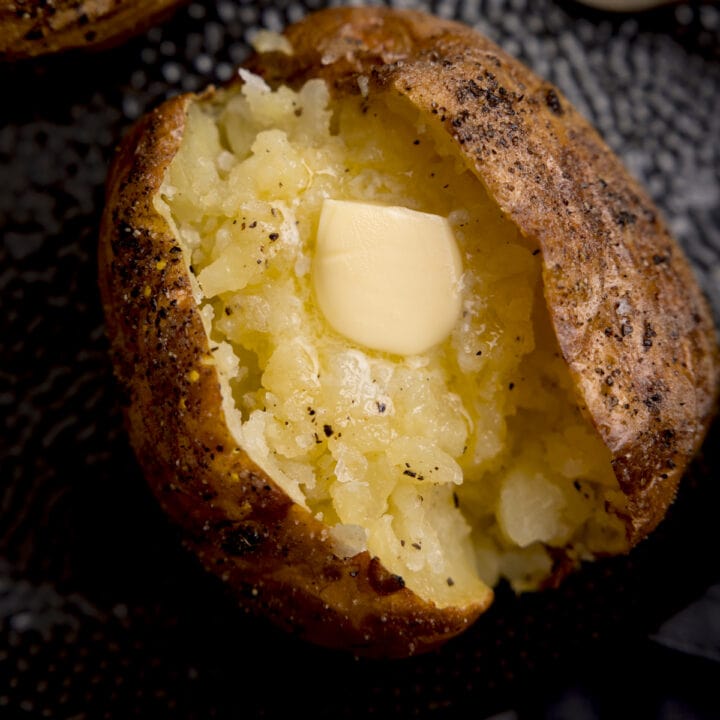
[(456, 466)]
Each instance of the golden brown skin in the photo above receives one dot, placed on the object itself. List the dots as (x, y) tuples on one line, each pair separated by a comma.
[(30, 28), (631, 322)]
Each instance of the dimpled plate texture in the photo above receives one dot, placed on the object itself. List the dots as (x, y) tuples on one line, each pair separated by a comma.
[(103, 615)]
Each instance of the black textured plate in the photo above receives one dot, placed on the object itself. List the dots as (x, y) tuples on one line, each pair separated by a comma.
[(103, 615)]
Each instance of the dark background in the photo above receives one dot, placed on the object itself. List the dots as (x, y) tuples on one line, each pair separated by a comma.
[(103, 615)]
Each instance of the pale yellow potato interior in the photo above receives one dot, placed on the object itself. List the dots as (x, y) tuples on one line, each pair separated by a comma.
[(457, 467)]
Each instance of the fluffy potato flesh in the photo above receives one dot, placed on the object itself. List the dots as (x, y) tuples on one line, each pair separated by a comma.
[(466, 464)]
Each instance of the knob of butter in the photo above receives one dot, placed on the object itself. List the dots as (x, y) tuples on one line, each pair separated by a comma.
[(387, 277)]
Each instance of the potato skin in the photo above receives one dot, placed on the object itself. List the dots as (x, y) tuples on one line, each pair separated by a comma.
[(632, 324), (631, 321), (30, 28)]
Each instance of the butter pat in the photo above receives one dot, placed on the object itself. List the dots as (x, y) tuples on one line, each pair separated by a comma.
[(387, 277)]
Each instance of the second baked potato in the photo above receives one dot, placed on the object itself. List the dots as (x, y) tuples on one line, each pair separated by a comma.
[(33, 28), (359, 467)]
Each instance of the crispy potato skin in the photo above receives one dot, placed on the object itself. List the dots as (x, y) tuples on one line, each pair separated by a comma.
[(30, 28), (274, 554), (632, 324)]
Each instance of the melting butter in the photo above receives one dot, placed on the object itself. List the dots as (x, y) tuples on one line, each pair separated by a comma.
[(387, 277)]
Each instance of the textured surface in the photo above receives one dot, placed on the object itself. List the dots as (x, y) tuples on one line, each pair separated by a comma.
[(91, 628)]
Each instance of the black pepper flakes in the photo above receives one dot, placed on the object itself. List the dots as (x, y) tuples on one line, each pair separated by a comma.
[(382, 581), (624, 218), (648, 335), (553, 102), (652, 400)]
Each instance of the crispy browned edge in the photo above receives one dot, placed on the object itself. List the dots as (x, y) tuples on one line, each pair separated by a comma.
[(274, 554), (632, 323), (30, 28)]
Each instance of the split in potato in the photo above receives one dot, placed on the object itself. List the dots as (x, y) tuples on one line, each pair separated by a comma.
[(454, 466)]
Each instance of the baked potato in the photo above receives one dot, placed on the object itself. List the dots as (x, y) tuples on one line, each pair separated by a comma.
[(30, 28), (394, 325)]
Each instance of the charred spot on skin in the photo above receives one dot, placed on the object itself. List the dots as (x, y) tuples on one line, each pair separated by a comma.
[(34, 34), (624, 218), (648, 335), (652, 402), (332, 572), (553, 102), (383, 581), (242, 539), (667, 438)]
